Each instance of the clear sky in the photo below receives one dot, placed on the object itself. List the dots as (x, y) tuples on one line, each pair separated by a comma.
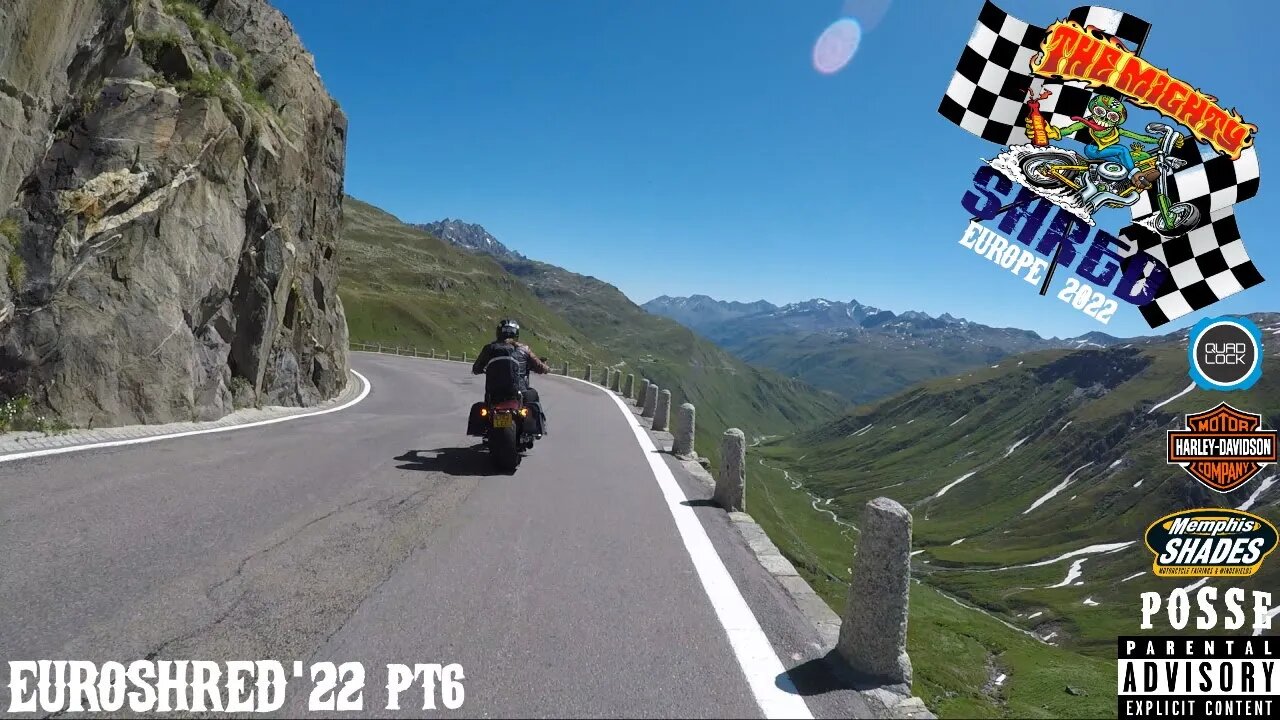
[(689, 146)]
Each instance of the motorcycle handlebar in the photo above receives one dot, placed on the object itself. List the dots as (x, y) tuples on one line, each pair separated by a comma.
[(1168, 135)]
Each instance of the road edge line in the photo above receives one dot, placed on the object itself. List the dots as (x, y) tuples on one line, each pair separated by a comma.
[(45, 452), (755, 654)]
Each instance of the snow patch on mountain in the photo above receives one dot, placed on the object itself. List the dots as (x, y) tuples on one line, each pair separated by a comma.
[(1262, 487), (1054, 492), (952, 484), (1014, 446), (1185, 390)]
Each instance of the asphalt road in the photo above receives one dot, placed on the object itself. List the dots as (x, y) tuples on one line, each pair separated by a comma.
[(379, 534)]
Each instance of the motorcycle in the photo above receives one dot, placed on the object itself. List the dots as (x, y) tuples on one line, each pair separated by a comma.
[(1094, 184), (508, 428)]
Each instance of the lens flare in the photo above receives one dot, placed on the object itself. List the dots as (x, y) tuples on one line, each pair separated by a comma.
[(836, 45), (869, 13)]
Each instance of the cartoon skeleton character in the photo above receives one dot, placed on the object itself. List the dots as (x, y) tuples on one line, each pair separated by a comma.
[(1103, 118)]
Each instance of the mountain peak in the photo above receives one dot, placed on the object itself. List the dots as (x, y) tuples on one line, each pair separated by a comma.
[(469, 236)]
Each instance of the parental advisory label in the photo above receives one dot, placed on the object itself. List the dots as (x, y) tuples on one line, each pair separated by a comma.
[(1196, 677)]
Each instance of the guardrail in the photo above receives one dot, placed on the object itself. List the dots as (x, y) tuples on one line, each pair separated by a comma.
[(872, 632)]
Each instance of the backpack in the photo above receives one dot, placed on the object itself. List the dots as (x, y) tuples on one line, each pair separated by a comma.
[(504, 373)]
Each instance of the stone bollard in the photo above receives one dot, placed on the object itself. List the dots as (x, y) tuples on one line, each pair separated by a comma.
[(682, 446), (629, 388), (606, 377), (566, 368), (873, 631), (586, 375), (650, 401), (615, 382), (731, 481), (662, 412), (642, 392)]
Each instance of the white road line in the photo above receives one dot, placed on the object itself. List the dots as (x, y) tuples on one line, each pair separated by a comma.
[(755, 654), (188, 433)]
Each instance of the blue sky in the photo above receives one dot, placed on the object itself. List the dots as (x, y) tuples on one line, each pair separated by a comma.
[(690, 147)]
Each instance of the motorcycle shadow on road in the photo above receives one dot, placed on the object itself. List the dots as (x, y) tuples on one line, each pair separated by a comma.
[(464, 461)]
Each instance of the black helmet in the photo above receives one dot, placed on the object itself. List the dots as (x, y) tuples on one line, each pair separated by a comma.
[(508, 329)]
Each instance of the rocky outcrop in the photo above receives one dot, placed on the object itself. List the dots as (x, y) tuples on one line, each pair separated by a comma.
[(171, 184)]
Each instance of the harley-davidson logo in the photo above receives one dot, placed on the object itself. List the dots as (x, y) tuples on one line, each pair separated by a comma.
[(1223, 448)]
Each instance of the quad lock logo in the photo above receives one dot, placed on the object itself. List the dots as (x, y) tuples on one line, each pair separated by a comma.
[(1210, 542), (1223, 448), (1225, 353), (1179, 176)]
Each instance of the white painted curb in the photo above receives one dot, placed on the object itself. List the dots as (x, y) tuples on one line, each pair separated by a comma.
[(188, 433)]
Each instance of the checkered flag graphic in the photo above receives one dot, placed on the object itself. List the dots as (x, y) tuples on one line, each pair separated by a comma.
[(1206, 265), (988, 91)]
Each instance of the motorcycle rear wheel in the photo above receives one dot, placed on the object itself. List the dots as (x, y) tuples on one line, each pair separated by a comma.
[(1035, 168), (504, 448)]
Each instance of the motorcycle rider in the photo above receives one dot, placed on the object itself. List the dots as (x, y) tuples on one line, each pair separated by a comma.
[(507, 345), (1104, 116)]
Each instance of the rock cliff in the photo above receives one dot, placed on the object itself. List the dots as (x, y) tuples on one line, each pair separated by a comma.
[(171, 184)]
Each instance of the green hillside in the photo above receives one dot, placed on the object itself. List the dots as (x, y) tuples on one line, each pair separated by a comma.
[(976, 458), (726, 391), (865, 369), (401, 285)]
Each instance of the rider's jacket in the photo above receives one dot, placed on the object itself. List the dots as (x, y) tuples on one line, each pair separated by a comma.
[(525, 358)]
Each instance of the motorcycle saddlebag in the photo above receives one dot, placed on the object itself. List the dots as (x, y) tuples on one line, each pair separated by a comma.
[(475, 423), (533, 422)]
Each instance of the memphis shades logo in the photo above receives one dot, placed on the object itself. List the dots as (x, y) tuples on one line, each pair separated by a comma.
[(1223, 448), (1210, 542), (1139, 210)]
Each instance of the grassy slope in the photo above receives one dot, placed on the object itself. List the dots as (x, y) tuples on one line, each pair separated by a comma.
[(726, 391), (860, 371), (918, 443), (401, 285)]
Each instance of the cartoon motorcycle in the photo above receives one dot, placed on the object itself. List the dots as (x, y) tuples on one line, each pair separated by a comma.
[(1098, 183)]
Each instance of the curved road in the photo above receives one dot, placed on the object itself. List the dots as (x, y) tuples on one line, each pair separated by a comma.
[(378, 534)]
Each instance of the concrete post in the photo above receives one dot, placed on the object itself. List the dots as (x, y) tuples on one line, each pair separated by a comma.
[(650, 401), (615, 381), (464, 357), (873, 631), (415, 351), (662, 413), (566, 368), (448, 354), (629, 388), (379, 348), (586, 375), (604, 377), (642, 392), (731, 481), (682, 446)]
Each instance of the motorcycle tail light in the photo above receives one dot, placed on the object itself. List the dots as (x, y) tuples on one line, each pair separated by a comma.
[(524, 412), (484, 412)]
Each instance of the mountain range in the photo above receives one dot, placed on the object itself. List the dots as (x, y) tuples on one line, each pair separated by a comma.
[(858, 351)]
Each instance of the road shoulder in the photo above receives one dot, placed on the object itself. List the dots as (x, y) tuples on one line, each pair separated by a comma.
[(23, 445)]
